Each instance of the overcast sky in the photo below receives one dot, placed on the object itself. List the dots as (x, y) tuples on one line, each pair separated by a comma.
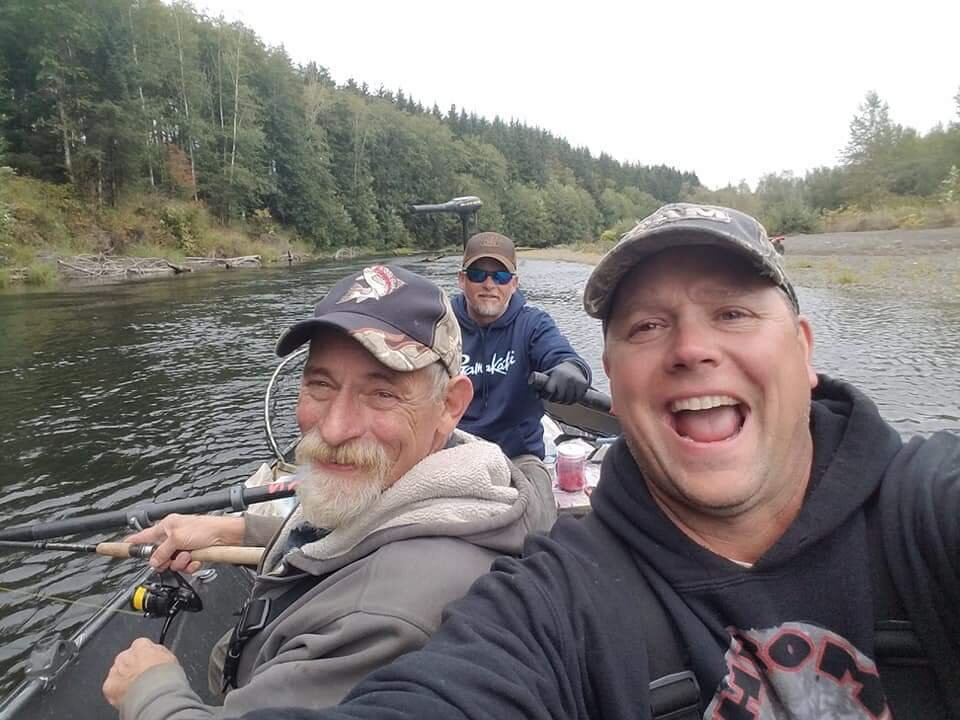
[(730, 90)]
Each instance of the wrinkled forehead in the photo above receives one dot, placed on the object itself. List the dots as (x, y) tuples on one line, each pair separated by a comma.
[(698, 271), (335, 349)]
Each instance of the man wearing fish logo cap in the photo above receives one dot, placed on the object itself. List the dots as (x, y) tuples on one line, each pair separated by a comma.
[(399, 512)]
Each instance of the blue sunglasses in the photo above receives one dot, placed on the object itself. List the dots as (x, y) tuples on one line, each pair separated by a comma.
[(500, 277)]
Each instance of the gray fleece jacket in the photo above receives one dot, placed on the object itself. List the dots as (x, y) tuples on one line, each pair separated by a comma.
[(382, 582)]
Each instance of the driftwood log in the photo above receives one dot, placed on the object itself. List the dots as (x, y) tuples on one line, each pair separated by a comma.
[(242, 261), (346, 253), (106, 266)]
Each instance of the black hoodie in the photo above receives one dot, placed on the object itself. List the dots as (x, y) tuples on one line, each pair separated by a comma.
[(556, 634)]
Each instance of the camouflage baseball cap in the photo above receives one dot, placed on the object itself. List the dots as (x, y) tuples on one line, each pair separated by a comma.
[(403, 319), (684, 224)]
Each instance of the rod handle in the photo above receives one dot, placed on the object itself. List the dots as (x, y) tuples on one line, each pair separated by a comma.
[(594, 399), (222, 555), (229, 555)]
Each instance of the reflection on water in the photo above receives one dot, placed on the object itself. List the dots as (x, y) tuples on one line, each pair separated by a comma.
[(153, 391)]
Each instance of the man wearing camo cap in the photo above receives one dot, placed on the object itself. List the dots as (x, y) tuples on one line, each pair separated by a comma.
[(762, 543), (399, 512)]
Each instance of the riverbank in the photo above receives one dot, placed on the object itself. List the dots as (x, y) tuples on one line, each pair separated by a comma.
[(47, 236), (924, 264)]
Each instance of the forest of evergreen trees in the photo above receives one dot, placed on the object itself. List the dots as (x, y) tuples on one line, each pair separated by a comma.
[(116, 98), (122, 101)]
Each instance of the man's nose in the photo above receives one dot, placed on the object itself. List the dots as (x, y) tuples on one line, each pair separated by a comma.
[(488, 282), (342, 421), (693, 344)]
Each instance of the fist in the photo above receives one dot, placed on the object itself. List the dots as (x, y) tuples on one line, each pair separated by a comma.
[(130, 664)]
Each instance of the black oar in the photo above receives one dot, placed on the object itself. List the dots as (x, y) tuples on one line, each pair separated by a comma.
[(236, 498), (592, 414), (224, 555)]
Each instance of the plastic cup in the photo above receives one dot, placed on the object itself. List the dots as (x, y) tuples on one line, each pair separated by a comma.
[(571, 466)]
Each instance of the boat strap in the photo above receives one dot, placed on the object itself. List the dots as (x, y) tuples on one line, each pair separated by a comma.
[(256, 614), (674, 690)]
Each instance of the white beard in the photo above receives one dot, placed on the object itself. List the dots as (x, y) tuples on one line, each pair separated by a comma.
[(329, 500), (489, 308)]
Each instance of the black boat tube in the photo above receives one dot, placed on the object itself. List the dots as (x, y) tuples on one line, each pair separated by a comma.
[(591, 415)]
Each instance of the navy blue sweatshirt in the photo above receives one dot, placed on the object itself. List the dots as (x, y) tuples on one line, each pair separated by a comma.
[(498, 359), (556, 634)]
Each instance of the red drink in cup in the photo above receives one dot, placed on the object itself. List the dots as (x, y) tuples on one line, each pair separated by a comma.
[(571, 466)]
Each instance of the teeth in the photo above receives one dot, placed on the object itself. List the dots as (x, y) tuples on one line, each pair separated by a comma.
[(704, 402)]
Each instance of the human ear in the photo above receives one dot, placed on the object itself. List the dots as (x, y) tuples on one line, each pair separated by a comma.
[(805, 332), (456, 400)]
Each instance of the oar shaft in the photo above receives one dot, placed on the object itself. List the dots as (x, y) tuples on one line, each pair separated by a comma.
[(235, 498), (224, 555)]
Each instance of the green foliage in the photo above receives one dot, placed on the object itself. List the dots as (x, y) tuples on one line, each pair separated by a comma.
[(824, 188), (41, 274), (871, 131), (185, 223), (789, 217), (572, 214), (949, 187), (525, 215), (904, 214), (120, 97), (740, 198)]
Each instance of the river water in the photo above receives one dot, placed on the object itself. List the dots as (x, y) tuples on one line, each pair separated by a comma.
[(153, 391)]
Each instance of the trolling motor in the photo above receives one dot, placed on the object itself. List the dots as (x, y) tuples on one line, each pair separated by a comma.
[(465, 207), (165, 598)]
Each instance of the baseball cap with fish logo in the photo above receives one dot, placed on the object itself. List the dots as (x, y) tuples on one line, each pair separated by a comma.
[(404, 320), (684, 224)]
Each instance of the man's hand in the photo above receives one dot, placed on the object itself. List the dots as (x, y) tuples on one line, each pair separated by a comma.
[(566, 384), (131, 664), (177, 534)]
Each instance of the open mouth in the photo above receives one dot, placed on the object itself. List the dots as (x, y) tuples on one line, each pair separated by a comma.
[(707, 418)]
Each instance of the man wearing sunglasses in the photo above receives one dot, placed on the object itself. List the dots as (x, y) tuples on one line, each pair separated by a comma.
[(504, 340)]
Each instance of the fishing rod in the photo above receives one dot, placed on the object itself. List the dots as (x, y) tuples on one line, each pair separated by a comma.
[(224, 555), (236, 498)]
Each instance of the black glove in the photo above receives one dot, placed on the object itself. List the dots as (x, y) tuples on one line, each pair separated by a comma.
[(566, 384)]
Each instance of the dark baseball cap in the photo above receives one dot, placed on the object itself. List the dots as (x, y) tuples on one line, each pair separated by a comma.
[(490, 245), (403, 319), (684, 224)]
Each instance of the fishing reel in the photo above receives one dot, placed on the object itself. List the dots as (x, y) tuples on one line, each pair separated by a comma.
[(166, 597)]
